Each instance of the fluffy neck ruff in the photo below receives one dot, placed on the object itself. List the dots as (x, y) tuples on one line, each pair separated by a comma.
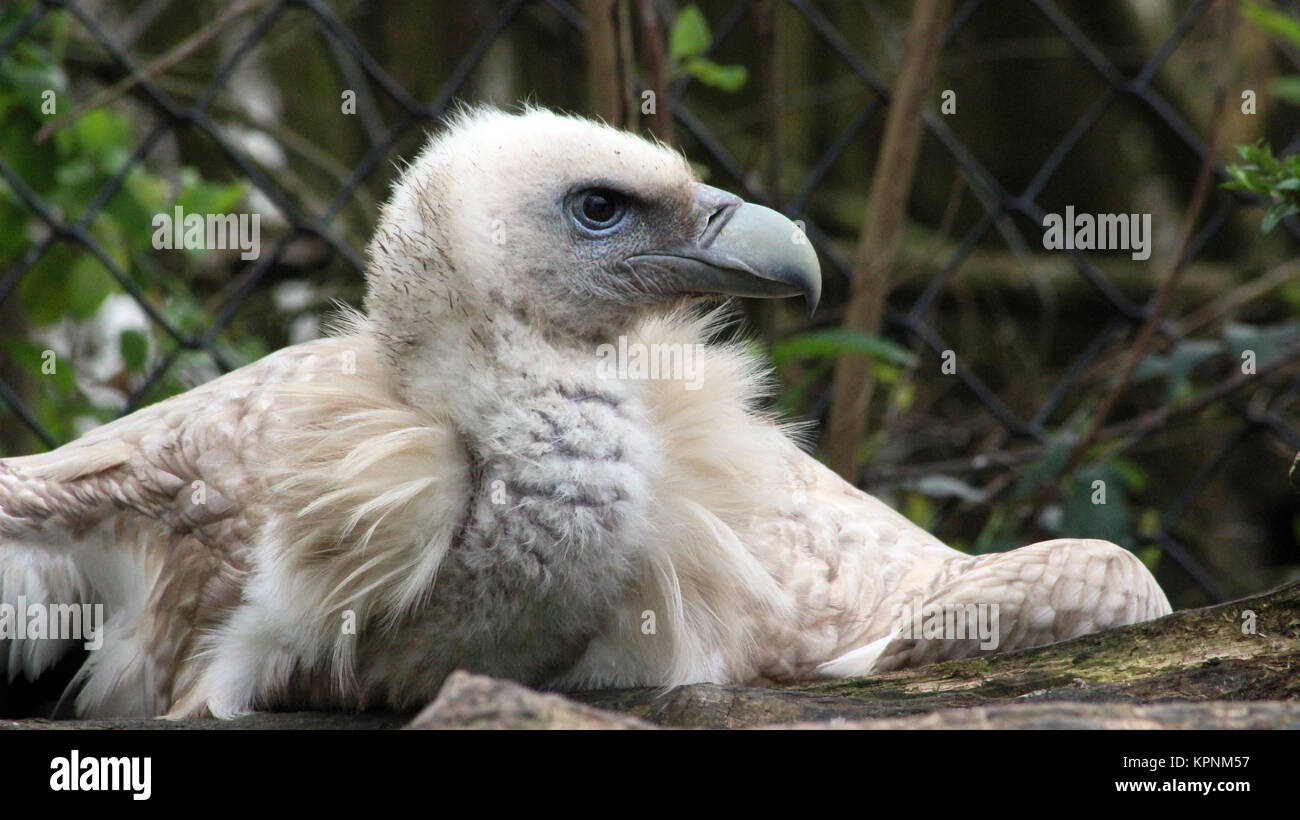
[(490, 505), (568, 508)]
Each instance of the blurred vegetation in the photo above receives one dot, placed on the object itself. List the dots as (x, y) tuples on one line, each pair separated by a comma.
[(687, 42), (1261, 173), (65, 285), (776, 97), (1264, 174)]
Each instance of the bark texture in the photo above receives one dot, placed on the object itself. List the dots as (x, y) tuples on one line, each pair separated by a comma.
[(1231, 666)]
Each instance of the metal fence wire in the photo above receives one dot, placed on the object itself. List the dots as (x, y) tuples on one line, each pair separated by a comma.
[(997, 200)]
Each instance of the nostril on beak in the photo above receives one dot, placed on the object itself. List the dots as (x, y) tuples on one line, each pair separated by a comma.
[(719, 205), (716, 222)]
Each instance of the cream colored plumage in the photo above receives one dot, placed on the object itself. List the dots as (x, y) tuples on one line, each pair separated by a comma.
[(450, 481)]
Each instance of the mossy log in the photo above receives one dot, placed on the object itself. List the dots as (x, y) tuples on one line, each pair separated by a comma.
[(1231, 666), (1242, 651)]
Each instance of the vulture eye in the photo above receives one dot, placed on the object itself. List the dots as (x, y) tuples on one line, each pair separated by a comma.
[(599, 209)]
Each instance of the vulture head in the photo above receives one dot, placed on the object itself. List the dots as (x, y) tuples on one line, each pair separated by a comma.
[(569, 228)]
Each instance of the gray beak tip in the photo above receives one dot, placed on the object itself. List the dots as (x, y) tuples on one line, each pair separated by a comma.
[(779, 258), (755, 251)]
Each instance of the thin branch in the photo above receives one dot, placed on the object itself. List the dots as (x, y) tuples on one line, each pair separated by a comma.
[(602, 61), (654, 57), (882, 232), (1237, 297)]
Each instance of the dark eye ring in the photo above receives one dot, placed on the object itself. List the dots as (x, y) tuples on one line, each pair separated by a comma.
[(599, 209)]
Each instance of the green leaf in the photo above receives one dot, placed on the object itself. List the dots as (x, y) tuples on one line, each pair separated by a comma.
[(1267, 176), (1149, 522), (1273, 21), (88, 286), (34, 162), (77, 172), (724, 77), (1135, 478), (31, 77), (1265, 340), (201, 197), (1176, 367), (1287, 89), (26, 353), (690, 35), (919, 509), (1275, 216), (131, 210), (43, 290), (100, 129), (32, 358), (834, 342), (1150, 556), (135, 349)]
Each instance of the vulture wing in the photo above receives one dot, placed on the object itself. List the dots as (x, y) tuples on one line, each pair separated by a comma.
[(159, 516)]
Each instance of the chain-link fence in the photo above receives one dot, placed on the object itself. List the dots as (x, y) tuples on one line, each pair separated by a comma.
[(1245, 405)]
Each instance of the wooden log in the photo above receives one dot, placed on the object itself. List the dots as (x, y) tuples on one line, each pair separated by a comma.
[(1246, 650)]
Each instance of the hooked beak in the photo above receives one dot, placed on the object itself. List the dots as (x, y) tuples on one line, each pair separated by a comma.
[(743, 250)]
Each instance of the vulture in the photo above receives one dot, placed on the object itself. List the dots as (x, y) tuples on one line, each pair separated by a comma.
[(458, 477)]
